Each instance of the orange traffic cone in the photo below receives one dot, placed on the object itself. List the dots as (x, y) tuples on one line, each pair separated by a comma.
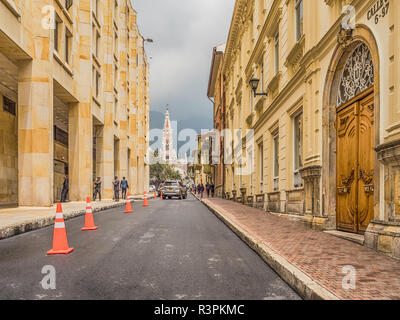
[(128, 207), (89, 221), (60, 241), (155, 195), (145, 203)]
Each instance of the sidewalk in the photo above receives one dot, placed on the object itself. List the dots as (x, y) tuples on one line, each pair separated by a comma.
[(308, 260), (15, 221)]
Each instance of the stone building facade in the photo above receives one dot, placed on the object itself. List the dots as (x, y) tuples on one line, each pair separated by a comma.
[(74, 99), (327, 135), (216, 92)]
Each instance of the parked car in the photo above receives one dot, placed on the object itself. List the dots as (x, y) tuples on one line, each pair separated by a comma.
[(172, 189), (152, 188)]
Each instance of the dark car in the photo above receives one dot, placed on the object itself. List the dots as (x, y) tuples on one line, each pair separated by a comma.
[(172, 189)]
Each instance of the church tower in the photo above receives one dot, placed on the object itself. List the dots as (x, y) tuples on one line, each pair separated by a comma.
[(168, 153)]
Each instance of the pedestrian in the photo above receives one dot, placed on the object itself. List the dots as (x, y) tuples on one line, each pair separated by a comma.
[(208, 189), (65, 189), (116, 189), (212, 188), (97, 189), (201, 191), (124, 187), (198, 189)]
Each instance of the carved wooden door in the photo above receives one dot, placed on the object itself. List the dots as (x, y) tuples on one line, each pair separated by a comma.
[(366, 164), (355, 165)]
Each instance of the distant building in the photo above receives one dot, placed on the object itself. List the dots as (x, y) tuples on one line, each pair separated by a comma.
[(168, 152)]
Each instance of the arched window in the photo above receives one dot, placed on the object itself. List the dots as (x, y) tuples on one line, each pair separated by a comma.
[(357, 76)]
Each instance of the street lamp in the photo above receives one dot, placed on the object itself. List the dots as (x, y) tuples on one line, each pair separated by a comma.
[(254, 85)]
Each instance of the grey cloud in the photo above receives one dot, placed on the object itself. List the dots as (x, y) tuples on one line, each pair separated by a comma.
[(184, 33)]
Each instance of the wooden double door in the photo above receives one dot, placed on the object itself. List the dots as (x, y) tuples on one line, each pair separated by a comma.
[(355, 164)]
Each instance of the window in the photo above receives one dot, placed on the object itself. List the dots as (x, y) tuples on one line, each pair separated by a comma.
[(276, 161), (97, 44), (261, 166), (298, 149), (96, 7), (9, 106), (115, 44), (251, 170), (68, 4), (251, 99), (68, 45), (276, 50), (96, 76), (115, 76), (115, 108), (127, 71), (115, 10), (299, 19), (233, 178), (262, 76), (57, 34)]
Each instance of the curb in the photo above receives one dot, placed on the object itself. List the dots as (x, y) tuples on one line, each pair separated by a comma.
[(31, 225), (306, 287)]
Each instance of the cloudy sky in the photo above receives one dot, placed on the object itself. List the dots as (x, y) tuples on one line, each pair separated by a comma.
[(184, 34)]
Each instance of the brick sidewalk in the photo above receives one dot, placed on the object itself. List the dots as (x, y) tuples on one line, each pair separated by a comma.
[(318, 255)]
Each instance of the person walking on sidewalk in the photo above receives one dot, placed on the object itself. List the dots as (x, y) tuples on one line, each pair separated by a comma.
[(116, 189), (212, 188), (201, 191), (208, 189), (198, 189), (97, 189), (65, 189), (124, 187)]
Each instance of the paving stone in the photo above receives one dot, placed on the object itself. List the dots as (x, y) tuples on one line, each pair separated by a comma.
[(319, 255)]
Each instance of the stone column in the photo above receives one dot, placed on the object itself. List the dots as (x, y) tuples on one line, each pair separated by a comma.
[(80, 115), (80, 151), (35, 129), (312, 184)]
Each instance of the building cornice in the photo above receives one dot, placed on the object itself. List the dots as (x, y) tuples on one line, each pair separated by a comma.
[(238, 18)]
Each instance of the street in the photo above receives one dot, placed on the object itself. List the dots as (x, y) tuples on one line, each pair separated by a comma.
[(174, 249)]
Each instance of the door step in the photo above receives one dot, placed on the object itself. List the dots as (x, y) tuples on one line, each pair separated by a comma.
[(353, 237)]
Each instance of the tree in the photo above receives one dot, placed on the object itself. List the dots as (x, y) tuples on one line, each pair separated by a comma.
[(162, 172)]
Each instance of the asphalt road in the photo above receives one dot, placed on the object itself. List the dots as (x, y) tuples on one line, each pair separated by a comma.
[(174, 249)]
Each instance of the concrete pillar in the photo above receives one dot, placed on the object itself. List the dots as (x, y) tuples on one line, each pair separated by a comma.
[(80, 151), (107, 163), (35, 130)]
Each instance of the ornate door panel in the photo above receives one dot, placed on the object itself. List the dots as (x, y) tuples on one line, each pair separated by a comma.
[(355, 165), (347, 158), (366, 164)]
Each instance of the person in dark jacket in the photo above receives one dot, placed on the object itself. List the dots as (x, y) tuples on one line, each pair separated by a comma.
[(124, 187), (97, 189), (212, 189), (65, 189), (116, 188), (201, 191), (208, 189), (198, 188)]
